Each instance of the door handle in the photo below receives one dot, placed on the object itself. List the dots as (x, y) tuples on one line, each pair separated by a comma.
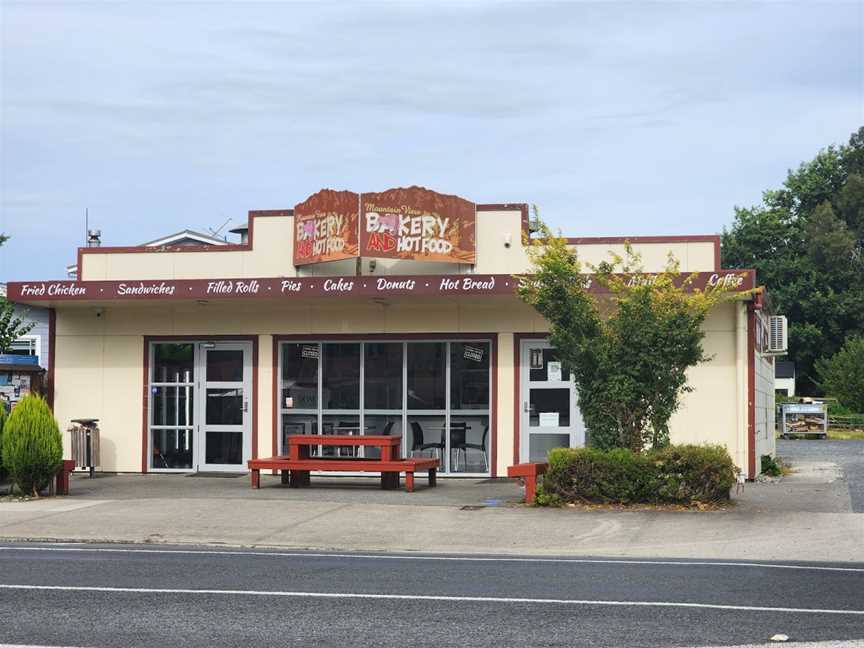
[(245, 406)]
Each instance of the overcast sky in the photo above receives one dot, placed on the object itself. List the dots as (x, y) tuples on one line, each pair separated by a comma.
[(615, 118)]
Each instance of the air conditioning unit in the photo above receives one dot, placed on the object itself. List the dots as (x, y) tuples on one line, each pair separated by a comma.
[(778, 335)]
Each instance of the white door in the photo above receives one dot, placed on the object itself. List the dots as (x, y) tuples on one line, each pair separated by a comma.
[(550, 408), (224, 429)]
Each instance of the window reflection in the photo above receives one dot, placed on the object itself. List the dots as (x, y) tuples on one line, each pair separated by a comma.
[(173, 363), (171, 448), (426, 374), (382, 385), (469, 375), (300, 376), (341, 376)]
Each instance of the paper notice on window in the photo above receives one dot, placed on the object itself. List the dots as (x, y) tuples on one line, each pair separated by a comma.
[(548, 419), (553, 370)]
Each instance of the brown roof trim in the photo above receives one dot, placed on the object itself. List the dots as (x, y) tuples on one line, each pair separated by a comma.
[(691, 238)]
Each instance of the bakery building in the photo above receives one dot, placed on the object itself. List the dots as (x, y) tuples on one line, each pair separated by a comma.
[(376, 313)]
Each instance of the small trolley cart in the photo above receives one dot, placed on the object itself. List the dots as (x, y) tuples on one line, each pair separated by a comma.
[(801, 419)]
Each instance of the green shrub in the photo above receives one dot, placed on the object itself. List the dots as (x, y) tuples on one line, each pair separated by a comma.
[(680, 474), (691, 473), (542, 498), (592, 475), (770, 466), (32, 448)]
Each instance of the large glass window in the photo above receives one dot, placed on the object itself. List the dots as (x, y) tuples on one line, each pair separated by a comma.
[(340, 382), (435, 395), (427, 375), (382, 362)]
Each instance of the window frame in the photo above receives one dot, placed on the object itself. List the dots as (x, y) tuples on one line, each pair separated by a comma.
[(404, 414)]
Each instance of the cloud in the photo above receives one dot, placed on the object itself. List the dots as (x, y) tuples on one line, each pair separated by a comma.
[(617, 118)]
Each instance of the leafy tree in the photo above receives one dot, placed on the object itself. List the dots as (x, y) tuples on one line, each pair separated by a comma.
[(32, 447), (806, 242), (842, 376), (629, 353), (11, 326)]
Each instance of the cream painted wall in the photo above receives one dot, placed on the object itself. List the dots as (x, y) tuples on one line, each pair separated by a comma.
[(692, 256), (504, 415), (712, 412), (273, 243), (100, 375), (99, 362)]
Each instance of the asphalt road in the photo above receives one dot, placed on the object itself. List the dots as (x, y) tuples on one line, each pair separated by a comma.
[(849, 455), (134, 595)]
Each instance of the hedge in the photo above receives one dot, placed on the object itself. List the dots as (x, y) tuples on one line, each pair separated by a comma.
[(674, 474)]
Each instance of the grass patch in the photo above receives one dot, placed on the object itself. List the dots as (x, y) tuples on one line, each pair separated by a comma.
[(845, 435)]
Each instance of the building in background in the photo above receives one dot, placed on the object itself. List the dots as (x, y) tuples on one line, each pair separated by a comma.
[(784, 377), (391, 313), (35, 342)]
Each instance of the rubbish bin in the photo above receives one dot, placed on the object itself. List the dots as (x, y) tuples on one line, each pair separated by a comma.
[(85, 443)]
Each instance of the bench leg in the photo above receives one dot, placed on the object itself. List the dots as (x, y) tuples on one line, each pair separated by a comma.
[(409, 481), (530, 488), (433, 477), (389, 480), (256, 478), (286, 476), (299, 479)]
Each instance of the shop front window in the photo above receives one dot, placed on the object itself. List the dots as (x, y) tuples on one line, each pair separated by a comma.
[(434, 395)]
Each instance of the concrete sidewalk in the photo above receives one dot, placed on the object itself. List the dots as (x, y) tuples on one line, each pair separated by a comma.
[(805, 517)]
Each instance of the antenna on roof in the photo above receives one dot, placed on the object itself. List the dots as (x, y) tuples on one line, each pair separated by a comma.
[(216, 232), (92, 238)]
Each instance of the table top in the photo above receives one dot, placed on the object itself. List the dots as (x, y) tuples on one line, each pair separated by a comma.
[(344, 440)]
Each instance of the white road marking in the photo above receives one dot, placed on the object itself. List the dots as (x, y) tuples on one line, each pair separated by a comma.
[(424, 597), (2, 645), (854, 643), (515, 559)]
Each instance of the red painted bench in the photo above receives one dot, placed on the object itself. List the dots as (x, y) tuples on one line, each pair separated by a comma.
[(528, 473), (298, 464), (63, 472)]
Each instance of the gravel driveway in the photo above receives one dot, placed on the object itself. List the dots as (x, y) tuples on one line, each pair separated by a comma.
[(849, 455)]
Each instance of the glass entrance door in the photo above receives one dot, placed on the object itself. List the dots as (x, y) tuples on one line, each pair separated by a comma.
[(550, 412), (224, 438)]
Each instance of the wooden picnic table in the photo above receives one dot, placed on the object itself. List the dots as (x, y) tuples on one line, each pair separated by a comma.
[(298, 464), (299, 444)]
